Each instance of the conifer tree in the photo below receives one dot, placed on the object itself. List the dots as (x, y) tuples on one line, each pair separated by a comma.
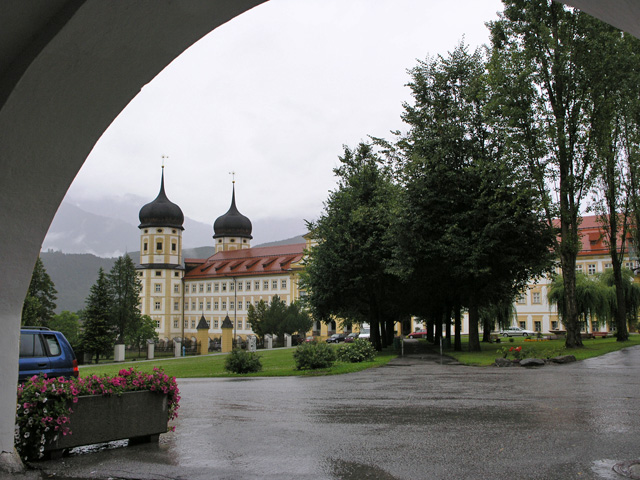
[(39, 304), (98, 333)]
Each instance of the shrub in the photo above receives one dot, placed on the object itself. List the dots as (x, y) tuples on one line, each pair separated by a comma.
[(241, 361), (360, 350), (314, 355), (44, 404)]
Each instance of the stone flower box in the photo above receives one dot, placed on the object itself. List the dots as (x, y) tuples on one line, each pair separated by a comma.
[(140, 416)]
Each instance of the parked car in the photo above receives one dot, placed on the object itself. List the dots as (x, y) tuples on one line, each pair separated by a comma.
[(351, 337), (418, 334), (517, 332), (45, 351), (310, 339), (296, 339), (336, 338)]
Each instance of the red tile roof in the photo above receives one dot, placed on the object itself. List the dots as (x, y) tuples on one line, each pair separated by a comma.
[(250, 261), (593, 237)]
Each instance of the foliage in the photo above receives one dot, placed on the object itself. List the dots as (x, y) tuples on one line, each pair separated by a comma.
[(278, 318), (39, 304), (314, 355), (470, 229), (346, 271), (241, 361), (45, 404), (125, 296), (98, 333), (146, 331), (67, 323), (360, 350)]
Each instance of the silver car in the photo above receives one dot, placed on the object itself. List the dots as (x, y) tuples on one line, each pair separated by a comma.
[(517, 332)]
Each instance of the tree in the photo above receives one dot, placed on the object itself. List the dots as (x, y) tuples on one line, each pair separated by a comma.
[(125, 288), (146, 331), (469, 231), (39, 304), (542, 75), (278, 318), (68, 323), (346, 272), (98, 333)]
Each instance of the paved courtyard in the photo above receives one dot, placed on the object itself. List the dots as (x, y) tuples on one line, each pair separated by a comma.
[(414, 419)]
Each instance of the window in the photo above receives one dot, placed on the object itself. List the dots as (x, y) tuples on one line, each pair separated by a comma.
[(157, 287), (554, 325), (158, 273), (208, 288), (157, 323), (240, 305), (159, 230), (215, 324), (215, 305), (265, 285), (174, 247), (157, 306), (208, 323), (186, 305), (283, 284), (240, 284), (232, 286), (224, 286), (159, 246), (257, 285), (193, 324), (31, 345), (537, 326), (176, 306), (232, 306), (523, 325), (591, 269), (146, 246), (175, 324), (186, 324), (193, 288), (176, 288), (216, 287), (608, 266), (208, 304), (522, 299), (224, 305), (239, 324), (201, 288), (200, 305), (248, 286), (193, 305), (176, 274), (535, 297), (274, 284), (579, 268), (255, 303)]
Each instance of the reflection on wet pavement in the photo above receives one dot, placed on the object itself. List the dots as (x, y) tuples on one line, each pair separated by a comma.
[(415, 420)]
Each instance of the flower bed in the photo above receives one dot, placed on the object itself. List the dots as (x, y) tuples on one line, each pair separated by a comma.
[(46, 409)]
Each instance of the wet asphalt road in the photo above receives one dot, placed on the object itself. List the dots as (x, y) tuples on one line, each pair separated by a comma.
[(413, 419)]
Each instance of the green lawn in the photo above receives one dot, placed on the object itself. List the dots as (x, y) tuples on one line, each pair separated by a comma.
[(543, 349), (275, 363)]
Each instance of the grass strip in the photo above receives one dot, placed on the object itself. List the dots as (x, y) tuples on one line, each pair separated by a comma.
[(275, 363)]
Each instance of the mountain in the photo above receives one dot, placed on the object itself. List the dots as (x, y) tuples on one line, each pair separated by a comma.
[(106, 228)]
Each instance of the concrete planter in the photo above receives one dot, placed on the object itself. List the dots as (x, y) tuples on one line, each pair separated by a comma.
[(137, 416)]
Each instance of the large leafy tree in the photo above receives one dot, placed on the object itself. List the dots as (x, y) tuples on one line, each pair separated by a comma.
[(469, 231), (614, 79), (551, 71), (146, 331), (98, 333), (39, 304), (125, 294), (278, 318), (346, 272)]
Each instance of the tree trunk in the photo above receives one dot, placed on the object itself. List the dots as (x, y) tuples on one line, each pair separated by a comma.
[(429, 324), (570, 318), (457, 344), (474, 337), (486, 329), (622, 333), (446, 319)]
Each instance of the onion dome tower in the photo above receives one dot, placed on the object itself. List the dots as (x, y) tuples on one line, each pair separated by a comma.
[(232, 231), (161, 266)]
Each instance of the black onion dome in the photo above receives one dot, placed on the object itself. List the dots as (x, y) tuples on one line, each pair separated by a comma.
[(232, 223), (162, 212)]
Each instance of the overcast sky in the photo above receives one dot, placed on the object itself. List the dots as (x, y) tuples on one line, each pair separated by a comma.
[(273, 95)]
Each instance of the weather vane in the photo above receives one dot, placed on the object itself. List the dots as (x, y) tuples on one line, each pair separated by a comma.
[(163, 157), (233, 176)]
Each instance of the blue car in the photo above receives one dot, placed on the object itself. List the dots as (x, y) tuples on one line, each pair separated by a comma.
[(45, 351)]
